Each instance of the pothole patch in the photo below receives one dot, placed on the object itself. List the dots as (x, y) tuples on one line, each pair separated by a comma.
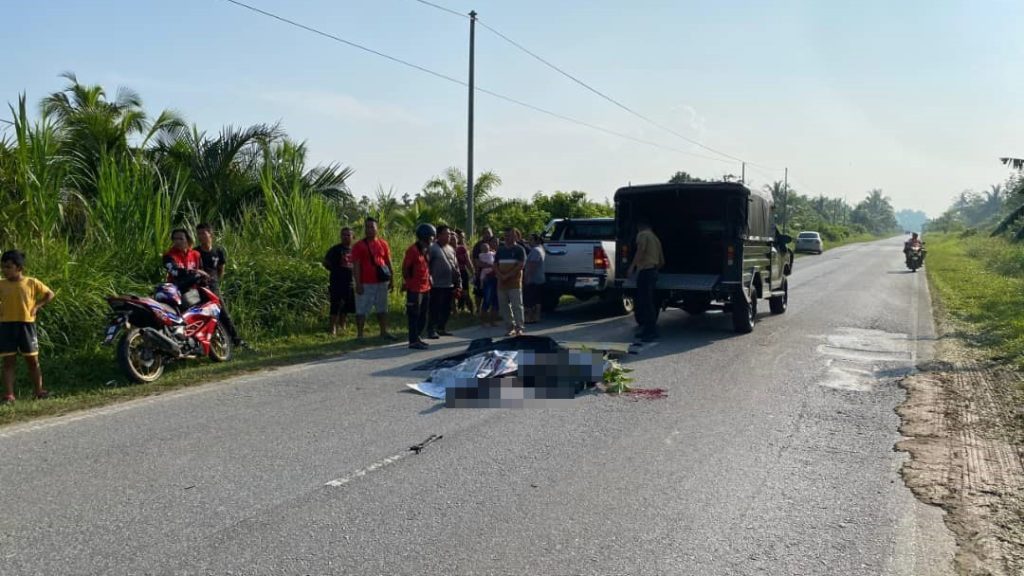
[(859, 360)]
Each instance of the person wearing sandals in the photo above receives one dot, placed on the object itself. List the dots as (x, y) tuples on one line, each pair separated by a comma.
[(371, 271), (21, 298)]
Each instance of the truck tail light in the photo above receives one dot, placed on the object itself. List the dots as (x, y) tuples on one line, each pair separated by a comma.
[(600, 259), (730, 255)]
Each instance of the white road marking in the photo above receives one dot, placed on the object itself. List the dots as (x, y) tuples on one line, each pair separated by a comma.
[(371, 468)]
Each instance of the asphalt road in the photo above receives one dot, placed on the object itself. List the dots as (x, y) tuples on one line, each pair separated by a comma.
[(772, 454)]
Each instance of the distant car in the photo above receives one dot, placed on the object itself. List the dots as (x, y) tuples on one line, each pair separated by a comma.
[(809, 242)]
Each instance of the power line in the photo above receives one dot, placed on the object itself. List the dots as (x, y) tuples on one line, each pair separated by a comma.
[(603, 95), (464, 84), (443, 9)]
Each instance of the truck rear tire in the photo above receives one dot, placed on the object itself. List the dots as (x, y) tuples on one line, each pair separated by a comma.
[(779, 304), (744, 312)]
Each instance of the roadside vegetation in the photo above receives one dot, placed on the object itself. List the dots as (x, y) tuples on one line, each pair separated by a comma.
[(976, 267), (92, 183)]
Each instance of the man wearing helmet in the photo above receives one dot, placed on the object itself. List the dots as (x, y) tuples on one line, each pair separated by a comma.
[(416, 276), (913, 242)]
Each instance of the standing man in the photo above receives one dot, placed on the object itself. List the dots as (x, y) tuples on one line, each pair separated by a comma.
[(416, 274), (371, 271), (533, 278), (340, 290), (509, 263), (485, 239), (444, 281), (213, 260), (466, 271), (647, 260)]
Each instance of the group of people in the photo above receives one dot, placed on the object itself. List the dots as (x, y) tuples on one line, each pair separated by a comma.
[(440, 275)]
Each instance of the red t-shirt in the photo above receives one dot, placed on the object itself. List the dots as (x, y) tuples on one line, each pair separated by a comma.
[(367, 255), (416, 262), (177, 261)]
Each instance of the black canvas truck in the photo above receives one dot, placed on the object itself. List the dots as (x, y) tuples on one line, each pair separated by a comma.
[(722, 250)]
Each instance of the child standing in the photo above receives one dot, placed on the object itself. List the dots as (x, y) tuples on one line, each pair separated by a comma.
[(21, 298)]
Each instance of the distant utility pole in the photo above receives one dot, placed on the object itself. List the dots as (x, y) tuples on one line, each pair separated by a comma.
[(469, 164), (785, 207), (743, 177)]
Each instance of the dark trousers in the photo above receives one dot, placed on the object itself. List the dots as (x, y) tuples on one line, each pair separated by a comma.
[(645, 310), (440, 308), (416, 306), (225, 317)]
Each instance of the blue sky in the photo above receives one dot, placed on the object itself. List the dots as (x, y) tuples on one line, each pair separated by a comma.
[(916, 98)]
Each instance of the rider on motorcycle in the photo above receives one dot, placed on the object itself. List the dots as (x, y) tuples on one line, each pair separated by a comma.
[(913, 242), (184, 265)]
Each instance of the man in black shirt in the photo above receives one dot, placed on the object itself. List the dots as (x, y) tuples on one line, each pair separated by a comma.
[(214, 259), (340, 290)]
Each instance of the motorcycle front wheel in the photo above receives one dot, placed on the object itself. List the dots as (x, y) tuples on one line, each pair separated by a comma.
[(140, 362)]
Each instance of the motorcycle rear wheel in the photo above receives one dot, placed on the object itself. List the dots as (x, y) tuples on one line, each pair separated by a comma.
[(220, 345), (140, 362)]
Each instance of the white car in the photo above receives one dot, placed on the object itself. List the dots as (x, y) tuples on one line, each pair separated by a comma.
[(809, 242)]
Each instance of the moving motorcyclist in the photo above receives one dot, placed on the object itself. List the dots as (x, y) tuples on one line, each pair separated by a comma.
[(909, 245)]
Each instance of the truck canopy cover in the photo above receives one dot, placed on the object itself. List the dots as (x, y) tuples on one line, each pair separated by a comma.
[(694, 220)]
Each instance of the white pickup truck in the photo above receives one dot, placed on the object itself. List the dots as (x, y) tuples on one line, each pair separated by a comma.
[(580, 261)]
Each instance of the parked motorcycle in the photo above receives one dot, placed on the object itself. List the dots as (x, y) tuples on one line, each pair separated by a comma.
[(915, 257), (168, 327)]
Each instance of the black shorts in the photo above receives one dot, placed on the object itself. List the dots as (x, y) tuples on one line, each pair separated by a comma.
[(342, 299), (18, 338), (532, 295)]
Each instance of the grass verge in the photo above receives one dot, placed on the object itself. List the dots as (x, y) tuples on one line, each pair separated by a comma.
[(979, 282), (93, 380)]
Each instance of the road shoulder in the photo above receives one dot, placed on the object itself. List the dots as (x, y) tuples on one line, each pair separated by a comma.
[(962, 423)]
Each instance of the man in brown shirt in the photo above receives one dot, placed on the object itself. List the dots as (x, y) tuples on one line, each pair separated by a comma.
[(647, 260)]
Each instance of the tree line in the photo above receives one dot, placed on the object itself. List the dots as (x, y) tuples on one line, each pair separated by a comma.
[(997, 210)]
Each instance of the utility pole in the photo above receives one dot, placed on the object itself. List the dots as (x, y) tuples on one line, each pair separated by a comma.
[(469, 164), (743, 174), (785, 208)]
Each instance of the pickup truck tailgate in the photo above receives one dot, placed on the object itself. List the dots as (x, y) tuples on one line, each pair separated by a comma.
[(569, 257)]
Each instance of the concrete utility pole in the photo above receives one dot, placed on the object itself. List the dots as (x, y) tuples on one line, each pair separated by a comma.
[(785, 208), (471, 233), (743, 177)]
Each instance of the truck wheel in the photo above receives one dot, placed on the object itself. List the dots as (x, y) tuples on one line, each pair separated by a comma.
[(778, 304), (744, 313), (620, 303), (549, 302)]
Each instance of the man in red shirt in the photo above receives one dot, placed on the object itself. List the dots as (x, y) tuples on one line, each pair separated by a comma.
[(416, 273), (371, 271)]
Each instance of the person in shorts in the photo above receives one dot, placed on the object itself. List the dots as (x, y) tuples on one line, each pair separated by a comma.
[(21, 298), (372, 273), (340, 289)]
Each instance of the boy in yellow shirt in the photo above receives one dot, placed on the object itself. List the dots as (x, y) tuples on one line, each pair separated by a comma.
[(21, 298)]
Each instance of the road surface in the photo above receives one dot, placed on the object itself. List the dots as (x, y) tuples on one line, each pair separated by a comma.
[(772, 454)]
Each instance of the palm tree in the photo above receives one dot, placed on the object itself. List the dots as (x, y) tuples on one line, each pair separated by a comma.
[(91, 126), (224, 171), (449, 192), (1018, 212)]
